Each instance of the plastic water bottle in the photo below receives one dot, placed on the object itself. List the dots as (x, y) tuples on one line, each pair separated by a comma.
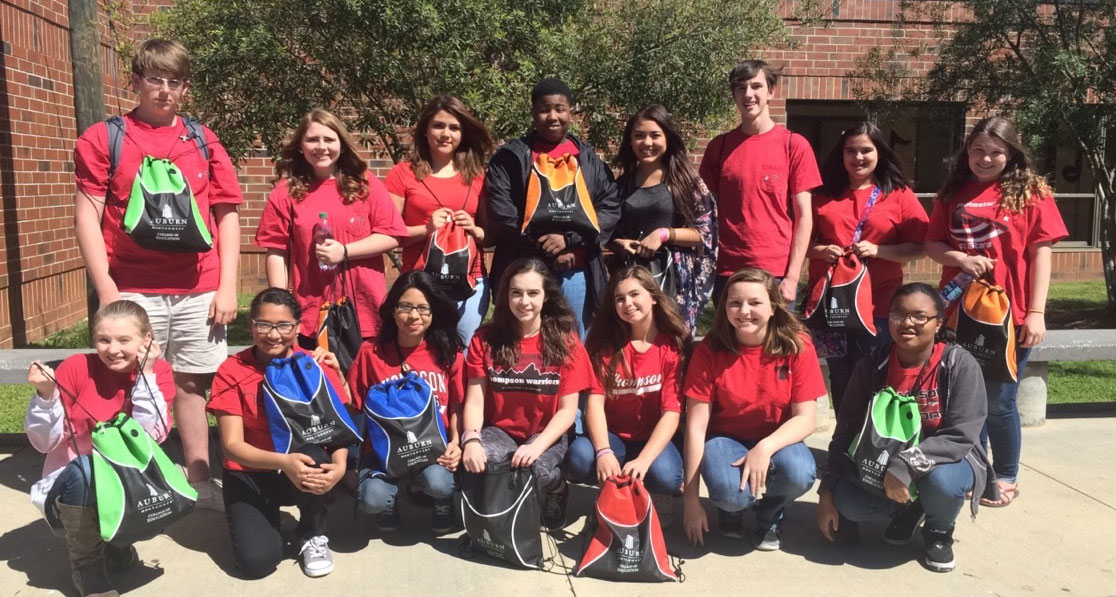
[(956, 287), (323, 232)]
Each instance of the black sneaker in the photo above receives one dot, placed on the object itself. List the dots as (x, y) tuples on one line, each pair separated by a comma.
[(554, 510), (730, 524), (388, 520), (768, 540), (939, 549), (902, 528), (441, 521)]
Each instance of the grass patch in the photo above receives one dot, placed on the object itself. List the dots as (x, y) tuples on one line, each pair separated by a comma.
[(1079, 305), (1082, 381), (13, 406)]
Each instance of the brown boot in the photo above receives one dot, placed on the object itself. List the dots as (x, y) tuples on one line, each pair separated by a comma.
[(87, 550)]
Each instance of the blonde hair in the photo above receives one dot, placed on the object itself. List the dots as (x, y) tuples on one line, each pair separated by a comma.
[(163, 55), (121, 309), (784, 330)]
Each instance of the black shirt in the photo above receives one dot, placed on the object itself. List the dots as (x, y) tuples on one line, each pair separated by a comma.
[(644, 210)]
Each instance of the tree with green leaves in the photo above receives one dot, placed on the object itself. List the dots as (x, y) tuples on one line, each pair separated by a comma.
[(259, 65), (1049, 65)]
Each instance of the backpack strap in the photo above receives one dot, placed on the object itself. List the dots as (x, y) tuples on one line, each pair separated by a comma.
[(197, 134), (116, 130)]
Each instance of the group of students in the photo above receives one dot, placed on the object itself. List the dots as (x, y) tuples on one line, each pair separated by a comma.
[(585, 369)]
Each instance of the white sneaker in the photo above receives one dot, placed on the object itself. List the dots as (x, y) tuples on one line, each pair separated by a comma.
[(210, 495), (315, 557)]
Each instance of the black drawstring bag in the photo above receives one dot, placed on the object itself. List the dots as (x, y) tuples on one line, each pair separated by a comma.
[(338, 326), (502, 511)]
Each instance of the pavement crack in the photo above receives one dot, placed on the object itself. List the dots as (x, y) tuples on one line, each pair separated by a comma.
[(1071, 487)]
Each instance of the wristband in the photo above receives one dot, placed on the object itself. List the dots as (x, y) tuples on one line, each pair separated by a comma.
[(1039, 311), (345, 248), (469, 441), (664, 235), (472, 433), (604, 452)]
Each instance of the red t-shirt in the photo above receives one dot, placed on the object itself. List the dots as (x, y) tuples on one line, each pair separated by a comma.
[(422, 198), (564, 147), (101, 393), (238, 391), (896, 218), (133, 268), (376, 363), (350, 222), (903, 380), (639, 400), (973, 222), (750, 393), (523, 398), (754, 178)]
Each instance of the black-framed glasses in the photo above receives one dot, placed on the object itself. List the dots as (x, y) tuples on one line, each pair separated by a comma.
[(264, 327), (916, 318), (172, 84), (406, 308)]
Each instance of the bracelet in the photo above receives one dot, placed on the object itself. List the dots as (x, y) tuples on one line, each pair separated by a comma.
[(469, 441), (604, 452), (1039, 311), (472, 433), (664, 235), (345, 248)]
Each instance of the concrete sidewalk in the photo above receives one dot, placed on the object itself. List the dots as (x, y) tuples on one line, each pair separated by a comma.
[(1058, 538)]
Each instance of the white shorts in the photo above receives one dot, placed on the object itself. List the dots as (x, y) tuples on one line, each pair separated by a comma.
[(180, 322)]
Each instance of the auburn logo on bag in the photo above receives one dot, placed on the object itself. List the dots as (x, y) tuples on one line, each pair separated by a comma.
[(558, 199), (842, 300), (984, 327), (627, 543), (302, 406), (449, 256), (404, 426), (502, 512)]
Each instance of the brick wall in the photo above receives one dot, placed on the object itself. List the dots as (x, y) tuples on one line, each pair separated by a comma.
[(42, 280)]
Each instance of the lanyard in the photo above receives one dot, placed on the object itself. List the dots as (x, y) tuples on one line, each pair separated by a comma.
[(864, 217)]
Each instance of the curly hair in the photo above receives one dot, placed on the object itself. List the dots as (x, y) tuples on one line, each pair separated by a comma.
[(351, 169), (1020, 185)]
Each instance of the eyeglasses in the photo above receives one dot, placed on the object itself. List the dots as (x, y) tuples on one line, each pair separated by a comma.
[(172, 84), (406, 308), (264, 328), (916, 318)]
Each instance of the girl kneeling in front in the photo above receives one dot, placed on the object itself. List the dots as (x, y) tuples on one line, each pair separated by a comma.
[(751, 399)]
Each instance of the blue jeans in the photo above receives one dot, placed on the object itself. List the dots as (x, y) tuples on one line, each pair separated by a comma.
[(791, 474), (377, 493), (941, 493), (664, 476), (841, 368), (1002, 427), (73, 487), (472, 310), (573, 286)]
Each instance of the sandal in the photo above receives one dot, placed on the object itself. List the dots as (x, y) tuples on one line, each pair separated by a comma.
[(1008, 493)]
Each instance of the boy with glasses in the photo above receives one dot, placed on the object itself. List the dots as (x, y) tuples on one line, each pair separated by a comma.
[(189, 293)]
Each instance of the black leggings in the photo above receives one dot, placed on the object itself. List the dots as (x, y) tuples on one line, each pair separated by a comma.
[(252, 501)]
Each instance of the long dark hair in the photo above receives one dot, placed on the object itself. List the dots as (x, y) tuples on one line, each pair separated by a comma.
[(945, 334), (469, 158), (441, 337), (784, 330), (502, 334), (681, 177), (351, 168), (1020, 185), (889, 170), (610, 334)]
